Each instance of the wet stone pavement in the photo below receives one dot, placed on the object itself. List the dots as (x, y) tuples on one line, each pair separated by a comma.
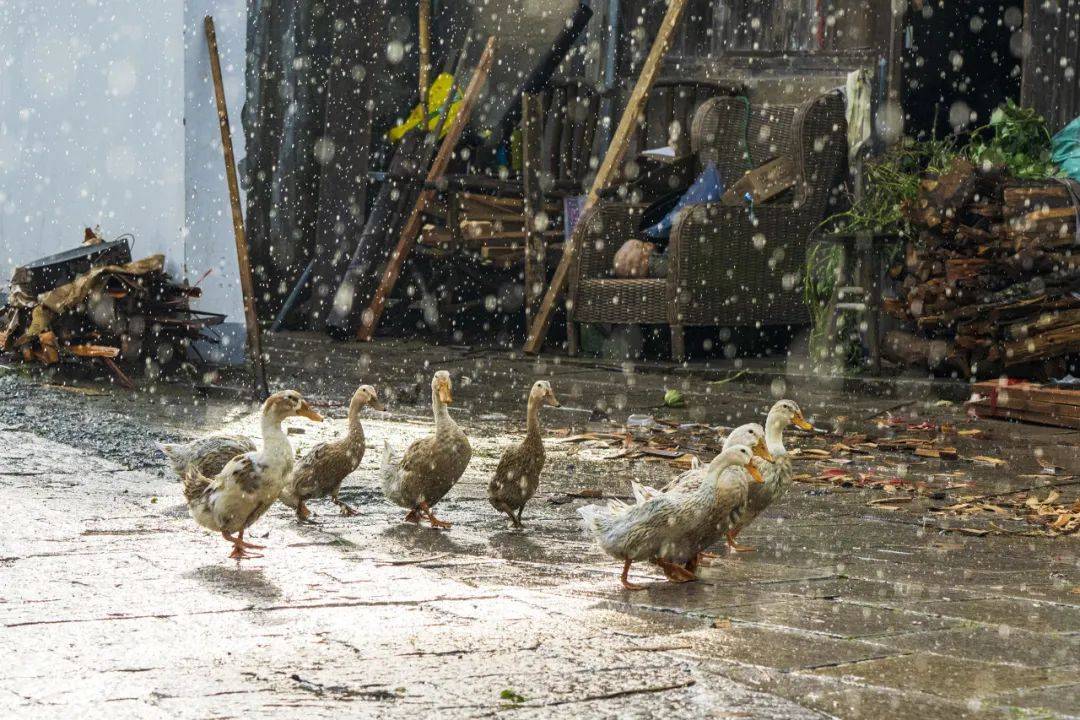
[(114, 603)]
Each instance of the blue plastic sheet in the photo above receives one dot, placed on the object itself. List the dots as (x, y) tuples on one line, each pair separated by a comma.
[(707, 188), (1066, 149)]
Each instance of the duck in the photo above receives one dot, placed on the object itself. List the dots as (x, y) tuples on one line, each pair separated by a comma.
[(726, 509), (518, 472), (778, 475), (321, 471), (431, 465), (234, 499), (208, 455), (648, 530)]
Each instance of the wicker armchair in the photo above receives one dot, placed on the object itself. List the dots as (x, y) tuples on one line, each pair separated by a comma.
[(726, 267)]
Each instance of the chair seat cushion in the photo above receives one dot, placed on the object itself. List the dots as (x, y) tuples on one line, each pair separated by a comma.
[(622, 301)]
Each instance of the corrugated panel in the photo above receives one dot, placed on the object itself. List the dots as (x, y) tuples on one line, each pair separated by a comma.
[(1051, 80)]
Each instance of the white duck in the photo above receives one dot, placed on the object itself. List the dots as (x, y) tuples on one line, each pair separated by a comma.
[(231, 501), (778, 475), (431, 465), (727, 507), (650, 529)]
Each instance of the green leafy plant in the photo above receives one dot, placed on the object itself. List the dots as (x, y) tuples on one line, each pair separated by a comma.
[(889, 182), (1016, 138)]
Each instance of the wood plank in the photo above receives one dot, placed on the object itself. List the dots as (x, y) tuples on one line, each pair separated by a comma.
[(535, 263), (247, 284), (411, 230), (609, 168)]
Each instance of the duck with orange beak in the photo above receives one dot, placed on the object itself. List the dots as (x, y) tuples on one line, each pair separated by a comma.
[(727, 506), (518, 474), (322, 470), (432, 465), (655, 529), (234, 499), (777, 475)]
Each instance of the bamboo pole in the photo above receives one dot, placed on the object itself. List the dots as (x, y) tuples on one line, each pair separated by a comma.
[(609, 170), (247, 285), (411, 230)]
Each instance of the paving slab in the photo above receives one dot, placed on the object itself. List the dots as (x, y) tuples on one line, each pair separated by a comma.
[(115, 591), (949, 677)]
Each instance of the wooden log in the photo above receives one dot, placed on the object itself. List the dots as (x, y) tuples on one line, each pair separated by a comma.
[(1051, 343), (411, 230), (247, 284), (911, 350), (609, 169)]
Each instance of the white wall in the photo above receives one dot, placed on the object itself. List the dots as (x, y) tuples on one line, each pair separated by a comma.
[(107, 117), (91, 126), (209, 241)]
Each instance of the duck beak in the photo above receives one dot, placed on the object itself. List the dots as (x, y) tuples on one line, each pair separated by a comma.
[(801, 423), (755, 473), (551, 400), (762, 451), (309, 412), (376, 405), (445, 396)]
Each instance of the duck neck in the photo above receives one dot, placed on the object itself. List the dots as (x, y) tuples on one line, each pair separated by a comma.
[(276, 447), (774, 435), (356, 429), (532, 419), (438, 409)]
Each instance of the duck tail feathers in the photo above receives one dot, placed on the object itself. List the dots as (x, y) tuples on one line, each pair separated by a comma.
[(387, 469), (595, 519), (195, 483), (172, 453)]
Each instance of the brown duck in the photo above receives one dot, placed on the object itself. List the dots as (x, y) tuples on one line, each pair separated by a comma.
[(432, 465), (518, 473), (321, 471)]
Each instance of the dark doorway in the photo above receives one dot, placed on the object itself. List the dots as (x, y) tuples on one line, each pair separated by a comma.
[(960, 62)]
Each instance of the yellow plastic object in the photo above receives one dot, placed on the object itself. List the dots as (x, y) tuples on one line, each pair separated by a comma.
[(435, 98)]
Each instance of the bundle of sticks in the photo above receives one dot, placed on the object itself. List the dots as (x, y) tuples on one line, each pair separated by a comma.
[(991, 283)]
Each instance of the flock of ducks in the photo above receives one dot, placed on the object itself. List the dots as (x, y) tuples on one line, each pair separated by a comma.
[(229, 482)]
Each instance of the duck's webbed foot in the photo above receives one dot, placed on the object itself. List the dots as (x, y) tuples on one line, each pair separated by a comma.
[(674, 572), (346, 509), (246, 544), (435, 522), (413, 516), (303, 513), (625, 581), (240, 553), (240, 548), (731, 535)]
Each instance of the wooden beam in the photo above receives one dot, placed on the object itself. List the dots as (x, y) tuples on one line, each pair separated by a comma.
[(425, 48), (532, 108), (411, 231), (247, 284), (609, 170)]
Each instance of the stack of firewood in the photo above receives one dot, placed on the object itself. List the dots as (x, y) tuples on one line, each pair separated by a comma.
[(991, 282)]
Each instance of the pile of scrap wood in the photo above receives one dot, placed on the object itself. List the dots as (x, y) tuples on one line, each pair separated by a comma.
[(991, 283), (1030, 402), (94, 302)]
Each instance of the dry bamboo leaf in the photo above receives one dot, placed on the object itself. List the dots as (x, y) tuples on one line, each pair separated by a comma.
[(987, 460)]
